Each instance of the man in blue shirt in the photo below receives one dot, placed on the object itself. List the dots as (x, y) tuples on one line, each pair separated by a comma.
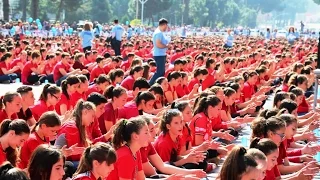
[(116, 32), (130, 31), (160, 46)]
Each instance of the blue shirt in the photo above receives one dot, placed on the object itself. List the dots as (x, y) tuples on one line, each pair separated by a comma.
[(118, 31), (291, 37), (229, 40), (268, 35), (158, 35), (87, 37), (184, 32), (130, 32)]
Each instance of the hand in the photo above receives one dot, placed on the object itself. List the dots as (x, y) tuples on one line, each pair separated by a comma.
[(67, 116), (302, 175), (306, 158), (176, 177), (308, 150), (198, 173), (222, 151), (308, 135), (194, 157), (214, 145), (196, 87), (234, 124), (72, 150), (226, 136), (204, 146), (84, 71)]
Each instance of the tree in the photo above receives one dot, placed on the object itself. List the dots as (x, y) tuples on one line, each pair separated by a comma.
[(316, 1), (35, 9), (6, 9), (198, 11), (265, 6), (248, 17), (101, 10)]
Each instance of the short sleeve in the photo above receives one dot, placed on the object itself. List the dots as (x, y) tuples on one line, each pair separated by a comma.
[(126, 167), (164, 151), (200, 127), (139, 162)]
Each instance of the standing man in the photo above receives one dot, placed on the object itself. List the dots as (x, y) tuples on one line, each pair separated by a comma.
[(117, 32), (160, 46)]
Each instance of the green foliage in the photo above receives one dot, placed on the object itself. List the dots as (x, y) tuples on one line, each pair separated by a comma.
[(135, 22), (317, 1), (101, 11)]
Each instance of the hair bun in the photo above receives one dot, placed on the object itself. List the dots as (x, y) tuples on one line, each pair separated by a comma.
[(242, 151)]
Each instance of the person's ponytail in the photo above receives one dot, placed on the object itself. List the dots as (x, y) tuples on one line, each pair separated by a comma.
[(85, 163), (119, 133)]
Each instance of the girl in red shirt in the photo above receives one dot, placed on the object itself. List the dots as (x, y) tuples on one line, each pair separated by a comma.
[(118, 97), (68, 87), (48, 68), (285, 84), (249, 85), (6, 74), (81, 90), (250, 165), (32, 69), (151, 161), (301, 81), (129, 165), (135, 73), (98, 69), (168, 144), (49, 97), (199, 75), (116, 76), (73, 132), (271, 150), (158, 93), (10, 105), (43, 132), (47, 162), (144, 102), (174, 80), (12, 135), (96, 162), (100, 84)]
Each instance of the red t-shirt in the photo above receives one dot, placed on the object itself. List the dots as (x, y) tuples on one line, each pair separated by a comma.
[(3, 155), (75, 97), (282, 153), (14, 63), (95, 72), (193, 82), (182, 90), (166, 148), (247, 91), (304, 106), (3, 65), (129, 110), (285, 88), (85, 176), (26, 71), (125, 65), (72, 135), (146, 152), (94, 132), (107, 69), (4, 115), (93, 88), (109, 114), (39, 108), (209, 81), (28, 147), (201, 125), (48, 67), (126, 166), (186, 137), (128, 83), (66, 101), (168, 71), (272, 174), (56, 73)]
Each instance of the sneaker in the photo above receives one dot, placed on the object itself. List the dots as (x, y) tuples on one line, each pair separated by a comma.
[(37, 83)]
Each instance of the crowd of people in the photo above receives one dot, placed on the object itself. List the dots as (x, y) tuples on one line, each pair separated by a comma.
[(137, 107)]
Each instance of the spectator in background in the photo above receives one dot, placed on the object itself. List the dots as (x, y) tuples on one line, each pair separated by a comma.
[(117, 32), (86, 37)]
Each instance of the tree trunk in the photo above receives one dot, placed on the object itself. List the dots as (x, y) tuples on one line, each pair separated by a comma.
[(6, 9), (24, 10), (58, 15), (35, 9), (186, 12)]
